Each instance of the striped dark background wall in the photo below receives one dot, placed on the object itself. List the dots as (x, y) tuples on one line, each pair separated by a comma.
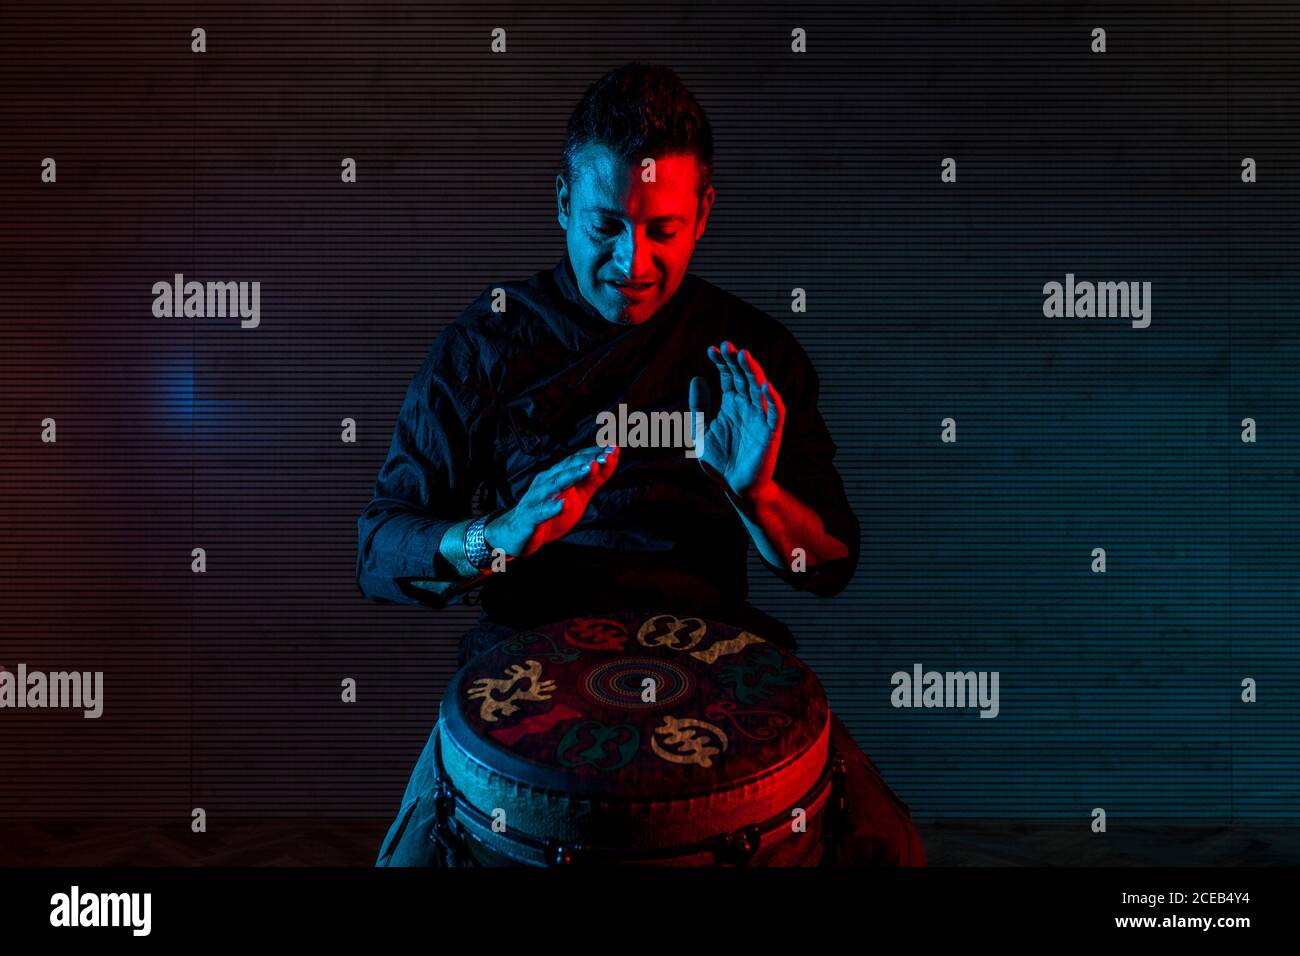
[(1119, 690)]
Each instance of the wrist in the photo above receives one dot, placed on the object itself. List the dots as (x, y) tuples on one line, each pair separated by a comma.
[(452, 550), (762, 496), (494, 530)]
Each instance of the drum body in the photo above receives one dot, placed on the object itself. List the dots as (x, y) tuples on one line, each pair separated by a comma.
[(636, 739)]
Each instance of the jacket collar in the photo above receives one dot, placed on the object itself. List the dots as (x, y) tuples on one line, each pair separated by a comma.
[(567, 282)]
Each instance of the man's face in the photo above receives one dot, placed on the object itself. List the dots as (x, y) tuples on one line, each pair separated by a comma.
[(623, 231)]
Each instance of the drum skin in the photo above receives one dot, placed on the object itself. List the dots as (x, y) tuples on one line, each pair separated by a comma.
[(638, 735)]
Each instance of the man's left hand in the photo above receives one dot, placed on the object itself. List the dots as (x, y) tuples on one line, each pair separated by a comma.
[(740, 445)]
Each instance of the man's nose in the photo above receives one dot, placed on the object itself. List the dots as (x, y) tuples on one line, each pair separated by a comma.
[(632, 255)]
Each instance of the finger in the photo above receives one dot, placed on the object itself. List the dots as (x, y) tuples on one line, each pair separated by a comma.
[(715, 356), (699, 397), (753, 378), (724, 371), (569, 471), (600, 469), (700, 401), (588, 453), (762, 384), (605, 469), (606, 462), (775, 408), (751, 366), (739, 379), (582, 459), (561, 480)]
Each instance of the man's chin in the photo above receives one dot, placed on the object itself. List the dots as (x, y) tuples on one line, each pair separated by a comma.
[(624, 317), (635, 315)]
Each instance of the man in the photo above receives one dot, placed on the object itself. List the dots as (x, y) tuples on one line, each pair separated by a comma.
[(509, 399)]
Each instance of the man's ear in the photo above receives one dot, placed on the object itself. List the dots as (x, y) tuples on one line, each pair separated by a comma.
[(562, 202), (702, 215)]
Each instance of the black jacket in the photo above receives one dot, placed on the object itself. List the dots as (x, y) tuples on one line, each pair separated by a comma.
[(501, 396)]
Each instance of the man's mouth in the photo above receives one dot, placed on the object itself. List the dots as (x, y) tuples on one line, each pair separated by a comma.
[(632, 286)]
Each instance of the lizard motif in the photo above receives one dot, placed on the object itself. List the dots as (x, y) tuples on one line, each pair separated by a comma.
[(486, 689)]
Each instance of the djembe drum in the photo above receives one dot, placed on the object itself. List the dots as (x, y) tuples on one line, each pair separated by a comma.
[(637, 738)]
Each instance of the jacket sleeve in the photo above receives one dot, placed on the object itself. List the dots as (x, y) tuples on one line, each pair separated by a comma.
[(426, 484), (805, 467)]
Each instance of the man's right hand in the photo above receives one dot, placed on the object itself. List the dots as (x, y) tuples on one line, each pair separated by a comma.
[(553, 503)]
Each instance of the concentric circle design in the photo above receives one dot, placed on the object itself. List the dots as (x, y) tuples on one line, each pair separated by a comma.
[(620, 683)]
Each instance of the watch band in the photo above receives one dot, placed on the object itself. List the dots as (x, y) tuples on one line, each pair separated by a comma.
[(477, 552)]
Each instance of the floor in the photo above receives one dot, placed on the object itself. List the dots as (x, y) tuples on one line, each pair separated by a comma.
[(290, 842)]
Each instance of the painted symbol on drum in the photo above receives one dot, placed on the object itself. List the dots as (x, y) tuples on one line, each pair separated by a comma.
[(536, 724), (487, 689), (727, 710), (671, 631), (620, 683), (596, 634), (527, 645), (689, 744), (756, 679), (590, 743), (726, 648)]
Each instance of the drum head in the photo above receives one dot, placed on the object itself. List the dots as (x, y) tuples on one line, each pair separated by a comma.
[(634, 729)]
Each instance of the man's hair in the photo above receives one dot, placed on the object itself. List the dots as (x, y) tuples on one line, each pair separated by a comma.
[(638, 110)]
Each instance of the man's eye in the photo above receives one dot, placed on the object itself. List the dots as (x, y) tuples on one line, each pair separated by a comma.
[(614, 228)]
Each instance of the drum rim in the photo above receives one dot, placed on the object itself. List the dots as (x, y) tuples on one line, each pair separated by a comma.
[(523, 847), (563, 816)]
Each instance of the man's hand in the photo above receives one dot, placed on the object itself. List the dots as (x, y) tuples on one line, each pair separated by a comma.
[(553, 503), (740, 445)]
